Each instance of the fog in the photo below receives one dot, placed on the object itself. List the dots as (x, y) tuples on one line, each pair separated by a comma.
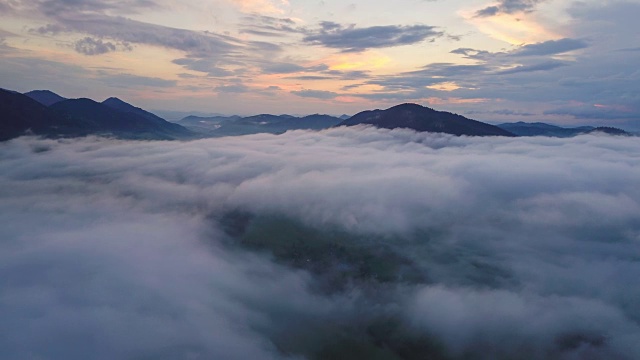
[(349, 243)]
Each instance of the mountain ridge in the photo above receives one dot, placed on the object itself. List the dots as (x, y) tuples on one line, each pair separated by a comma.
[(521, 128), (424, 119), (22, 114), (45, 97)]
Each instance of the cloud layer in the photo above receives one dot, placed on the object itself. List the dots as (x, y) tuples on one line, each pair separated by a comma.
[(456, 247), (353, 39)]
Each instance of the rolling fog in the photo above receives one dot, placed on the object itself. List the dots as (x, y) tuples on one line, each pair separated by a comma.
[(341, 244)]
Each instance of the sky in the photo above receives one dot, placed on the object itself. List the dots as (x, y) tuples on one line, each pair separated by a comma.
[(492, 247), (558, 61)]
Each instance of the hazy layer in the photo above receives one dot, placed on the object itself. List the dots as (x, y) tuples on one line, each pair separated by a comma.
[(479, 248)]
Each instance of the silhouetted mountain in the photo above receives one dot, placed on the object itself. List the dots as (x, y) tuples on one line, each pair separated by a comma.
[(117, 104), (422, 118), (21, 114), (542, 129), (609, 130), (102, 119), (45, 97), (315, 122), (122, 106), (344, 117)]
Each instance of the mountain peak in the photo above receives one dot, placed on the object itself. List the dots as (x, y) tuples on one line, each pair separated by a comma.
[(410, 107), (421, 118), (113, 100), (45, 97)]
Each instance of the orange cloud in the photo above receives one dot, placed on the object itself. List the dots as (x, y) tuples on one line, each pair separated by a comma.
[(361, 61), (515, 29), (445, 86), (262, 6), (444, 101)]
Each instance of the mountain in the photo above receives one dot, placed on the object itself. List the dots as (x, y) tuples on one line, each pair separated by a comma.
[(196, 120), (344, 117), (420, 118), (124, 120), (45, 97), (315, 122), (609, 130), (167, 126), (117, 104), (263, 123), (521, 128), (205, 124), (20, 114), (276, 124)]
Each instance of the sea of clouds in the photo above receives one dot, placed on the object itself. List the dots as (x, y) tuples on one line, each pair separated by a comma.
[(528, 248)]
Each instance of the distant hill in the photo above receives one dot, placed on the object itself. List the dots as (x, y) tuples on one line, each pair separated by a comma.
[(45, 97), (79, 117), (609, 130), (205, 124), (420, 118), (263, 123), (542, 129)]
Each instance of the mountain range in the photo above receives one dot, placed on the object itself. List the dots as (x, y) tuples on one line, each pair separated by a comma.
[(48, 114), (542, 129), (45, 113), (263, 123)]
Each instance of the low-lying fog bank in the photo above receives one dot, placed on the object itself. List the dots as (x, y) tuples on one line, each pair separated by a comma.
[(349, 243)]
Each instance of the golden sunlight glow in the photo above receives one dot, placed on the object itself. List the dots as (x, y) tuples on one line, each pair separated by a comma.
[(444, 101), (515, 29), (444, 86), (262, 6), (361, 61)]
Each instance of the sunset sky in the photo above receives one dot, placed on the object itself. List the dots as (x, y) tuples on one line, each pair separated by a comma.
[(558, 61)]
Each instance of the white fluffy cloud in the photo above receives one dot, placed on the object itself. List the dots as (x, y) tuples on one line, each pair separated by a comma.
[(115, 249)]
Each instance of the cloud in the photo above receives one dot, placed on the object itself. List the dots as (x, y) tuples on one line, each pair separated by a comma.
[(212, 67), (507, 112), (27, 73), (401, 242), (3, 38), (545, 66), (90, 46), (232, 88), (262, 6), (316, 94), (595, 111), (135, 81), (551, 47), (630, 49), (268, 26), (282, 68), (430, 75), (194, 43), (352, 39), (61, 7), (508, 7), (49, 29)]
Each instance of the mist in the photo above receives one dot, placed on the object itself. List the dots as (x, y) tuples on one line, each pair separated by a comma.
[(340, 244)]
